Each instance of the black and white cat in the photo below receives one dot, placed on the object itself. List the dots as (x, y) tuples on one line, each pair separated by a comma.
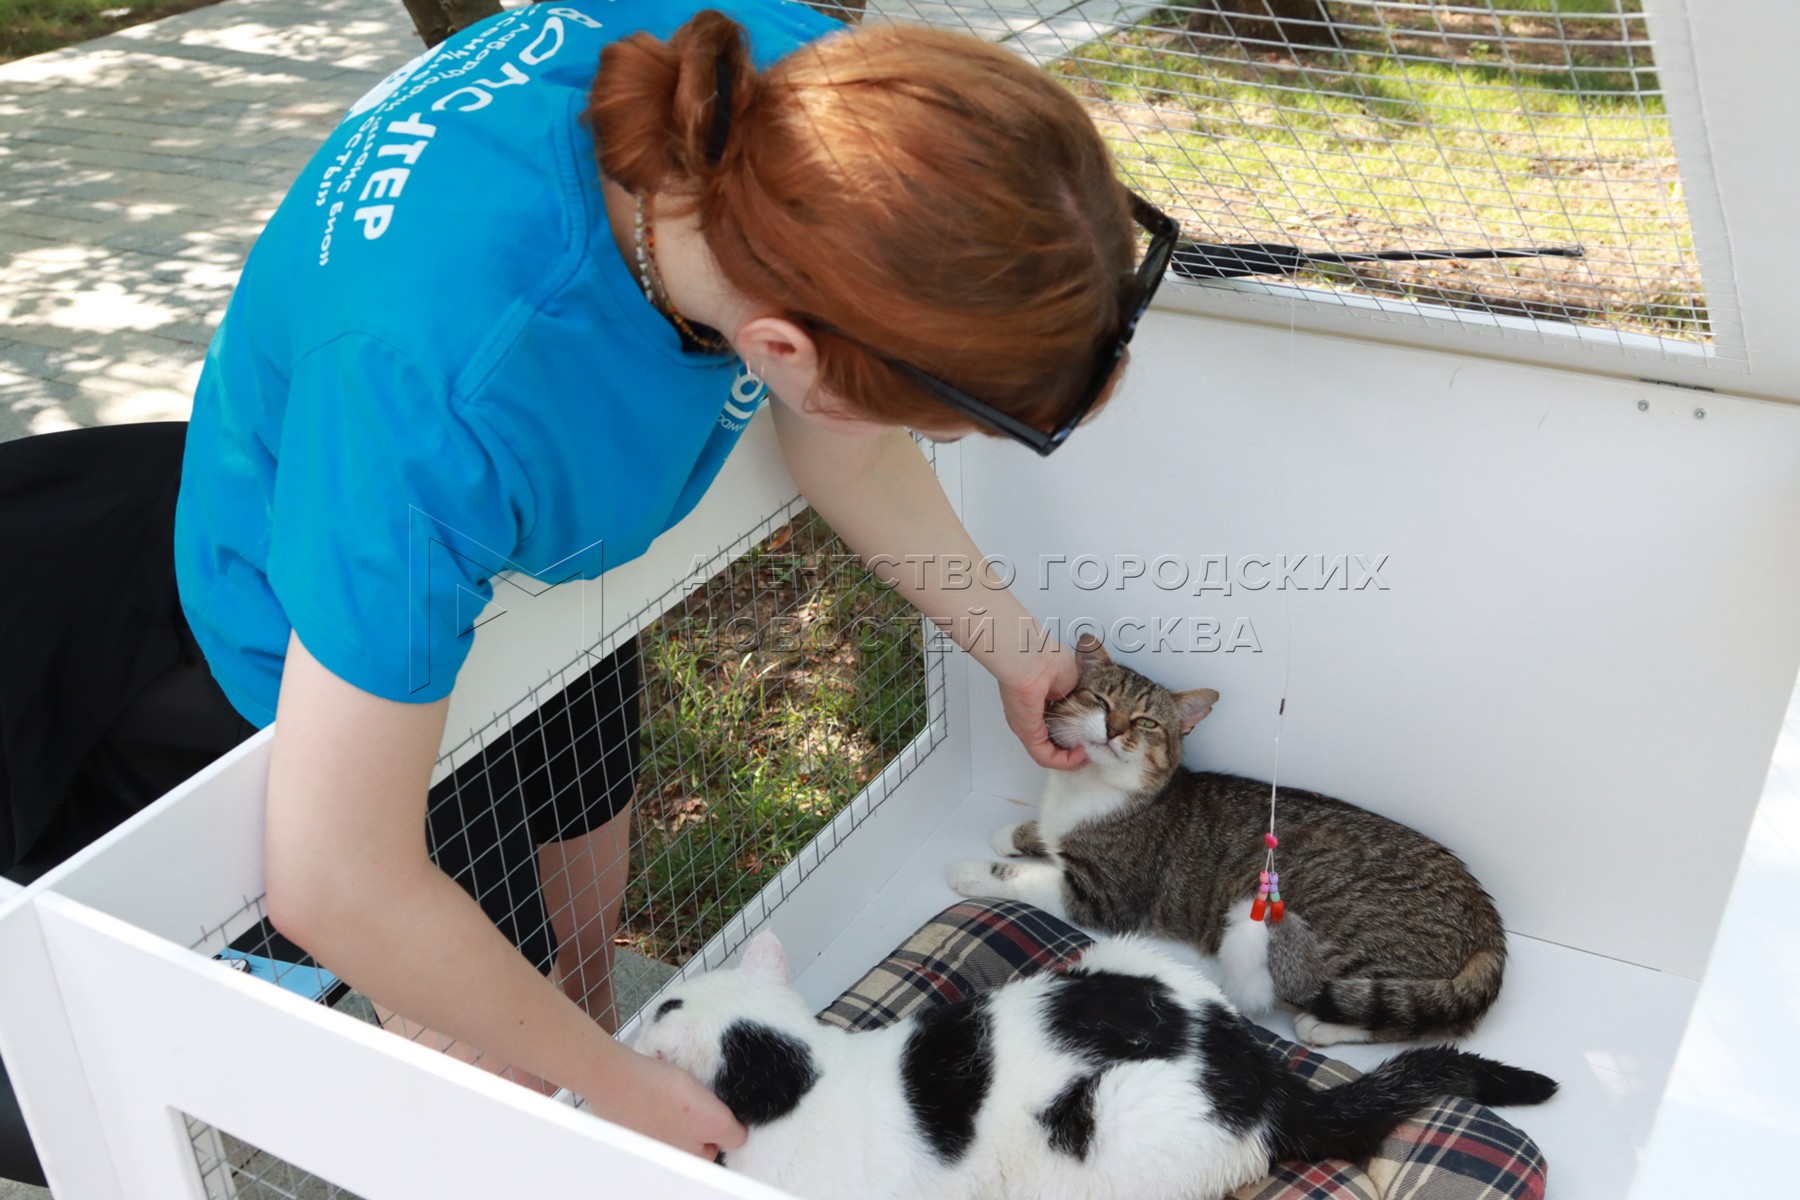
[(1126, 1075)]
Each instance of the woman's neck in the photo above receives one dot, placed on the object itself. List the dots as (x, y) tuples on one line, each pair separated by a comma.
[(690, 279)]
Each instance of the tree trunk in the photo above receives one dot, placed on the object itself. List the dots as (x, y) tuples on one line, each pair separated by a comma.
[(1275, 22), (438, 19), (850, 12)]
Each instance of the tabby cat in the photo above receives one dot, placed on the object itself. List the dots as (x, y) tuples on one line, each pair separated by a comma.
[(1387, 935)]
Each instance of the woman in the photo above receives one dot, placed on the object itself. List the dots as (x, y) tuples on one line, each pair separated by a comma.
[(460, 348)]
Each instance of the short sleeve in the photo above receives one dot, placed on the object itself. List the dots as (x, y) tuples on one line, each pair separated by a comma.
[(391, 515)]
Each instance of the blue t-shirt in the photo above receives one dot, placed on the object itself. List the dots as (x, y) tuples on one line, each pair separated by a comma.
[(437, 367)]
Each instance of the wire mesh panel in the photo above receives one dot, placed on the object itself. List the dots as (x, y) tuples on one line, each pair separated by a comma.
[(230, 1168), (622, 815), (1379, 128), (788, 686), (765, 714)]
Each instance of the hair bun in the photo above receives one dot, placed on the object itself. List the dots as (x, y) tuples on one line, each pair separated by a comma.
[(673, 110)]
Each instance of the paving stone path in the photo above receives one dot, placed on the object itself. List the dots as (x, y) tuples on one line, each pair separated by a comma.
[(136, 171)]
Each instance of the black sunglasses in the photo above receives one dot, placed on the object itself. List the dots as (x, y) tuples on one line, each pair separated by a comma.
[(1164, 232)]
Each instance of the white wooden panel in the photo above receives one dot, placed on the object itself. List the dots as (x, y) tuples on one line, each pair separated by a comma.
[(1732, 111), (1380, 321), (1733, 1080), (45, 1065), (183, 865), (1586, 638), (365, 1109)]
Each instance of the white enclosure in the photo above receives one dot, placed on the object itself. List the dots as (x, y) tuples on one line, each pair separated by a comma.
[(1538, 598)]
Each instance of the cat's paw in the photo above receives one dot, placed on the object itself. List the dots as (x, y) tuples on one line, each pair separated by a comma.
[(971, 877), (1317, 1033), (1003, 843)]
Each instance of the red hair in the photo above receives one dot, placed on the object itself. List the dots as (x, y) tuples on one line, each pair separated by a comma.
[(925, 192)]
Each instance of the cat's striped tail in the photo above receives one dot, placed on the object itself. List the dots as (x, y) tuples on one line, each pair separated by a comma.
[(1351, 1120), (1397, 1009)]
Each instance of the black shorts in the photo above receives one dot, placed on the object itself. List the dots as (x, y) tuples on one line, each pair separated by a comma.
[(106, 703), (558, 773)]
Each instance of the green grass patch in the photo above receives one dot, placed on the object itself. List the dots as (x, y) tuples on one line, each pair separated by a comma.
[(35, 26), (772, 697), (1428, 129)]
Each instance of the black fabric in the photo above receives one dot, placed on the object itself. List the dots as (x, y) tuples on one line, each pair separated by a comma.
[(18, 1158), (178, 723), (91, 617), (561, 771)]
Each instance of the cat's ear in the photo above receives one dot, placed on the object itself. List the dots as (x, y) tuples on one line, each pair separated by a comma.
[(1194, 706), (1089, 653), (765, 957)]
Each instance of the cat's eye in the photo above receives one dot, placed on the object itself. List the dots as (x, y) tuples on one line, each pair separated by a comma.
[(1146, 724)]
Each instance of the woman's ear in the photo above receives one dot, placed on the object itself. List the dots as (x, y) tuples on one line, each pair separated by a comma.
[(777, 349), (786, 358)]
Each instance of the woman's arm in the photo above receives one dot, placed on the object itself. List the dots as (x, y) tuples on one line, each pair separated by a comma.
[(881, 496), (349, 879)]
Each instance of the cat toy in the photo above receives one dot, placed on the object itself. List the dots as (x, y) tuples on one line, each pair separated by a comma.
[(1268, 904), (1296, 961)]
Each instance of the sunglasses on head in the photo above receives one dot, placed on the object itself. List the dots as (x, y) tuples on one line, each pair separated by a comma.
[(1164, 232)]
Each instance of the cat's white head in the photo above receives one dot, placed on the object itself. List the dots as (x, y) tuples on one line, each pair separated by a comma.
[(743, 1032), (1130, 727)]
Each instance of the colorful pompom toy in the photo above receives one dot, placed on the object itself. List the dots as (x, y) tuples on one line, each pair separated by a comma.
[(1268, 897)]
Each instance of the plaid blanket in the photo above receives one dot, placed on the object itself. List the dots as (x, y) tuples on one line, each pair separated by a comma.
[(1456, 1151)]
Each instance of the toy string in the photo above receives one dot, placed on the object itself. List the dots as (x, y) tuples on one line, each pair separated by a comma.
[(1274, 782), (1268, 902)]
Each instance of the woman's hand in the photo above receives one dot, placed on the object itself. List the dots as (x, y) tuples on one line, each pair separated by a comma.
[(349, 879), (663, 1101), (1052, 673), (883, 498)]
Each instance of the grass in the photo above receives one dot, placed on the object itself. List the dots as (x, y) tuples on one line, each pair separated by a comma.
[(1420, 128), (35, 26), (772, 697)]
